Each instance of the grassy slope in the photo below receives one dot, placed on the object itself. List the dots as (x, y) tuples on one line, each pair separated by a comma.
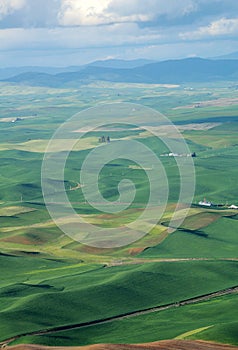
[(217, 240), (218, 314), (43, 301)]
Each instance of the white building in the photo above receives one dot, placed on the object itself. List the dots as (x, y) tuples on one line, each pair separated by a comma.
[(233, 207), (205, 203)]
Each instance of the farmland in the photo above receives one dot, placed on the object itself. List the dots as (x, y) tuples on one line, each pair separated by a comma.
[(49, 281)]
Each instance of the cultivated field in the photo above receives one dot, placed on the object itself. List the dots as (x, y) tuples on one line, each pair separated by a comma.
[(56, 291)]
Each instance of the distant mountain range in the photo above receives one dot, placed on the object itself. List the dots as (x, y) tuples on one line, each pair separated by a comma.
[(165, 72), (115, 63), (9, 72)]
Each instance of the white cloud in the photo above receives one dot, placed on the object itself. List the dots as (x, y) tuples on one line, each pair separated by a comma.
[(114, 28), (77, 38), (221, 27), (95, 12), (9, 6)]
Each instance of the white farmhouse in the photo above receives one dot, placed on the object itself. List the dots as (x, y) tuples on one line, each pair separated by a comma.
[(233, 207), (205, 203)]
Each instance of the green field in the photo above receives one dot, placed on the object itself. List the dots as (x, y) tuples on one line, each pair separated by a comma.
[(217, 240), (97, 292), (212, 321), (49, 280)]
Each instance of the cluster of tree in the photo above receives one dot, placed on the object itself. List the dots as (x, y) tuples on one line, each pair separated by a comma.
[(104, 139)]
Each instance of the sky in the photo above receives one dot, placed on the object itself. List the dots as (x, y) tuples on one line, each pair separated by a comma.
[(75, 32)]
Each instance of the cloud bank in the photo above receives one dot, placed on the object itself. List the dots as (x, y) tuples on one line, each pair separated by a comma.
[(120, 28), (94, 12), (221, 27), (9, 6)]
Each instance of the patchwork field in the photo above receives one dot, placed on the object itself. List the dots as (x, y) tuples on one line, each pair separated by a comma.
[(58, 292)]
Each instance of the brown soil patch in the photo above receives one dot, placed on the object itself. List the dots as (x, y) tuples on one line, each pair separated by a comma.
[(94, 250), (135, 251), (18, 240), (24, 239), (162, 345), (200, 220)]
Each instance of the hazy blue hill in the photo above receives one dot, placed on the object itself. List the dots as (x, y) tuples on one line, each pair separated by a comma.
[(115, 63), (87, 74), (171, 71), (35, 79), (9, 72), (6, 73), (92, 73), (189, 70)]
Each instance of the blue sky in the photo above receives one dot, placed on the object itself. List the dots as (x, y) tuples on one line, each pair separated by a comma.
[(74, 32)]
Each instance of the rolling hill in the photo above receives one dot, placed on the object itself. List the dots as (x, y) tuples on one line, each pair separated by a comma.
[(116, 63), (8, 72), (171, 71)]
